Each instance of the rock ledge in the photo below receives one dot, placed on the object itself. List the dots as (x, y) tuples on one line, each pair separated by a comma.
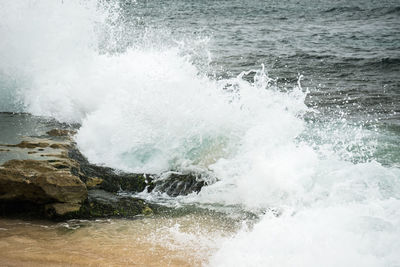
[(50, 178)]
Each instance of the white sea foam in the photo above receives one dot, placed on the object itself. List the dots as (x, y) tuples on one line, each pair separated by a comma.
[(149, 109), (44, 46)]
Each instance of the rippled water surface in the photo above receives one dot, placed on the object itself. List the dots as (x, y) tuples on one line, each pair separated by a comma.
[(179, 241), (348, 51), (288, 109)]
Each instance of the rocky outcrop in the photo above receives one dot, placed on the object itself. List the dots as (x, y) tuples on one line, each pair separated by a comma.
[(47, 182), (101, 204), (108, 179), (61, 132), (176, 184), (52, 178), (106, 204), (40, 182)]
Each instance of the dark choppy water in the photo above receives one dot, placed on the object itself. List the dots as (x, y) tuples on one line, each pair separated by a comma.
[(347, 51), (310, 143)]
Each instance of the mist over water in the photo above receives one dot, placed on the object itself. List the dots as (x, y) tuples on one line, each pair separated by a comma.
[(153, 97)]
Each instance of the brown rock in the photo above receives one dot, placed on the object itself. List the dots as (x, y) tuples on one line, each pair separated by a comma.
[(93, 182), (61, 132), (39, 182), (62, 208), (58, 146), (27, 144)]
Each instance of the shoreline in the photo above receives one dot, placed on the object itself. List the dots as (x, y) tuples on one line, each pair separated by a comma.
[(46, 176)]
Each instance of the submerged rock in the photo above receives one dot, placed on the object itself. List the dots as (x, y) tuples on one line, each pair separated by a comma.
[(105, 204), (101, 204)]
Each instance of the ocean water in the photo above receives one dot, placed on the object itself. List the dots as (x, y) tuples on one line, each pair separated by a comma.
[(289, 110)]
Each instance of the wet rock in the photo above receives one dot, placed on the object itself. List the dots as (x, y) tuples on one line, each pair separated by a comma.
[(21, 209), (102, 204), (108, 204), (58, 146), (52, 179), (61, 132), (39, 182), (176, 184), (61, 209), (54, 185), (93, 182), (28, 144), (111, 180)]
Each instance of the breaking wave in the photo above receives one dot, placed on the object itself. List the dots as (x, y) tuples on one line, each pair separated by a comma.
[(148, 108)]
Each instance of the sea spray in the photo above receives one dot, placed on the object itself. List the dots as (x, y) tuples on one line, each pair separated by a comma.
[(146, 107), (46, 48), (169, 117)]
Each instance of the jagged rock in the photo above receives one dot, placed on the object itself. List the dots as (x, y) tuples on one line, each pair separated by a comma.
[(61, 209), (92, 182), (61, 132), (173, 184), (105, 204), (55, 180), (179, 184), (112, 181), (39, 182), (102, 204), (28, 144), (58, 146)]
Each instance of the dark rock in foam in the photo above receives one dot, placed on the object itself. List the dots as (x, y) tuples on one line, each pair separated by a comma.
[(56, 181)]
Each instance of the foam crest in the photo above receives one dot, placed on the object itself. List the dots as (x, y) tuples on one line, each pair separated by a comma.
[(162, 115), (147, 108), (144, 108), (320, 209), (336, 235)]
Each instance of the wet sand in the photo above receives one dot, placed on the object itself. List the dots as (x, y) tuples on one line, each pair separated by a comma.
[(155, 241)]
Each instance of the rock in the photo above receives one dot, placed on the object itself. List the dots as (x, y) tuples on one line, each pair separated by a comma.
[(173, 183), (176, 184), (55, 185), (61, 132), (58, 146), (105, 204), (27, 144), (52, 178), (101, 204), (40, 179), (112, 180), (39, 182), (92, 182), (61, 209), (21, 209)]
